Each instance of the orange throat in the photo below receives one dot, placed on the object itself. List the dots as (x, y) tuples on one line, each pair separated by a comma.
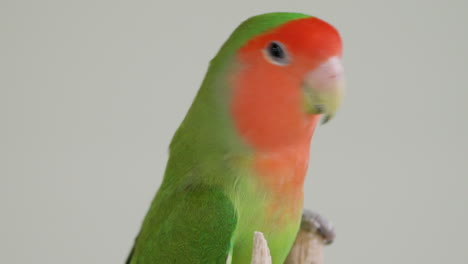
[(283, 171)]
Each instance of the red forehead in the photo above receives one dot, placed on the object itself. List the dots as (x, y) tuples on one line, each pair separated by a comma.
[(309, 39)]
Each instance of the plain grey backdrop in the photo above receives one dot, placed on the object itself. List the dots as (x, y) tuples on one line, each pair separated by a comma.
[(92, 91)]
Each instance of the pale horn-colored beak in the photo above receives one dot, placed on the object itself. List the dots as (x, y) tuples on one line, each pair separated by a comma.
[(323, 89)]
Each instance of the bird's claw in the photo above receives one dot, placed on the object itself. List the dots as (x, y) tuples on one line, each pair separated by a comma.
[(313, 222)]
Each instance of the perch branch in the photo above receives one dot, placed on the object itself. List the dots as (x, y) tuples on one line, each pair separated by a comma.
[(314, 234), (261, 252)]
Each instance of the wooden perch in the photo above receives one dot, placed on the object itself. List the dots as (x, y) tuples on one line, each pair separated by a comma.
[(261, 252), (314, 234)]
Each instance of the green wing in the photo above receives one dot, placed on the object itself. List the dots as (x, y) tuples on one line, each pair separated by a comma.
[(193, 225)]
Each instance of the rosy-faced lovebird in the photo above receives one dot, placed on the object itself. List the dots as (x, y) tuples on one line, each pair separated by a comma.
[(238, 160)]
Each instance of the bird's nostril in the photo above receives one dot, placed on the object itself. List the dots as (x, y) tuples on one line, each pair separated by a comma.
[(334, 76)]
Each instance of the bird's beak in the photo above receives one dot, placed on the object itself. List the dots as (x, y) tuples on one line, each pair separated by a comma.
[(323, 89)]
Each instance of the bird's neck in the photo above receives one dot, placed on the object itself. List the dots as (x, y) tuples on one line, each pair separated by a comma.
[(283, 171)]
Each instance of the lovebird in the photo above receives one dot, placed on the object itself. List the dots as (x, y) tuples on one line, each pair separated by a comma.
[(238, 160)]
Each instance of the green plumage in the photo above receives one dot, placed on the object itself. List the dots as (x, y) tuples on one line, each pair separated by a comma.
[(181, 232), (209, 203)]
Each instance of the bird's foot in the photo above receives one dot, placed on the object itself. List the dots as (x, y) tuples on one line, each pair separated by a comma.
[(314, 222)]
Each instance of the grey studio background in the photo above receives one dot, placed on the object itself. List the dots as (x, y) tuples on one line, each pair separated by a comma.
[(92, 91)]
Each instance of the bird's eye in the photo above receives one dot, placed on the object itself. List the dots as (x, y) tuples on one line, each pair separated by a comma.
[(276, 53)]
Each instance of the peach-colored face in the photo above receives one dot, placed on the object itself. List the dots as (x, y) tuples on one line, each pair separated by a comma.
[(268, 101)]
